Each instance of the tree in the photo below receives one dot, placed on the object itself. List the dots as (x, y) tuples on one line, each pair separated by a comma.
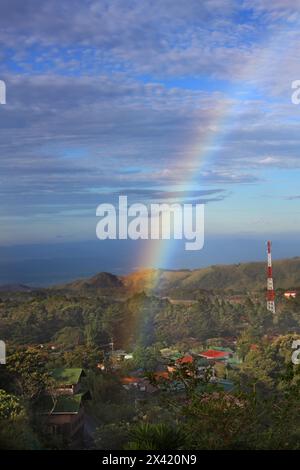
[(147, 436), (10, 406), (86, 357), (28, 371), (69, 336), (260, 368), (15, 432), (146, 358)]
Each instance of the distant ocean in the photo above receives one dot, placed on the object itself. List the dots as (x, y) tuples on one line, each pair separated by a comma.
[(42, 265)]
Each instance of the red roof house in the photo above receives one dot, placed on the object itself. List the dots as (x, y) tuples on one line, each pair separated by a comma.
[(185, 360), (214, 354)]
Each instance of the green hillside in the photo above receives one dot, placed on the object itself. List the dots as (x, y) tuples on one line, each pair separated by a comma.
[(238, 278)]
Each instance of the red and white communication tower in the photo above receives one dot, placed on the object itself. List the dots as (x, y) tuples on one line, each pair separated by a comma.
[(270, 283)]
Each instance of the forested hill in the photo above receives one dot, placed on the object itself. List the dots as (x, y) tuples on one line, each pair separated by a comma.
[(238, 277)]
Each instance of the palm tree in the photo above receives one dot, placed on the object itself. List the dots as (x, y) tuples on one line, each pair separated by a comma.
[(147, 436)]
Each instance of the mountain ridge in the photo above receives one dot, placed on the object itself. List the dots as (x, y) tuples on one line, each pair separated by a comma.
[(237, 277)]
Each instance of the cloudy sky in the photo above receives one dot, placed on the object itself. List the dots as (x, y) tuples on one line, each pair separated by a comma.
[(165, 100)]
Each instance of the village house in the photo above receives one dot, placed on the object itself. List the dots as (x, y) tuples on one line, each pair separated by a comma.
[(63, 408), (215, 354), (137, 384), (201, 364), (69, 381), (290, 294)]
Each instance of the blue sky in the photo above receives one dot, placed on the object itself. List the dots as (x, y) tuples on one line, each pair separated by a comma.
[(108, 97)]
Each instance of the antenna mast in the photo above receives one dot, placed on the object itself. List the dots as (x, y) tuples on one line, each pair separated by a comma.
[(270, 283)]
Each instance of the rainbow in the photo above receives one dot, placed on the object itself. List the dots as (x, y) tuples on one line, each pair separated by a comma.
[(224, 117)]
